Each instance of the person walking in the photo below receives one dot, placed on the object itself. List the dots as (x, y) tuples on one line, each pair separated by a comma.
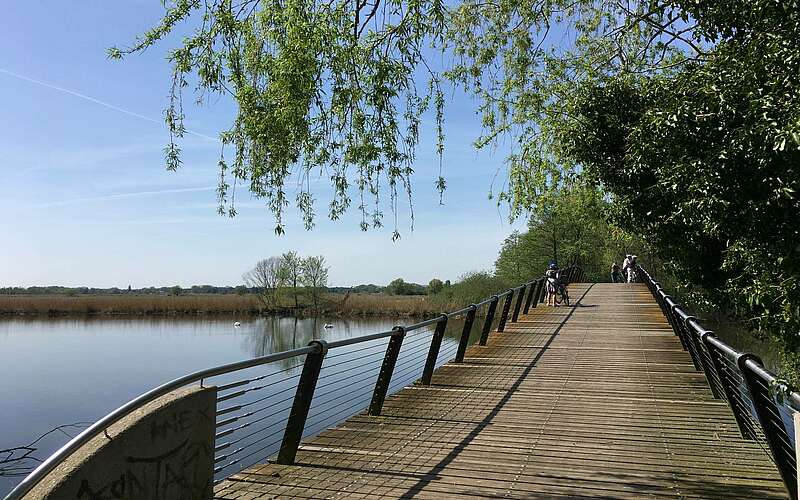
[(632, 270), (626, 264), (552, 276), (616, 275)]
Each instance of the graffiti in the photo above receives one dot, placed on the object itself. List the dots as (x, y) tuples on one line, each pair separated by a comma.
[(167, 454), (177, 473), (126, 486), (178, 423)]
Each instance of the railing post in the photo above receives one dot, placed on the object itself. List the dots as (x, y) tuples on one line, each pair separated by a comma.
[(769, 421), (487, 323), (537, 292), (433, 352), (302, 403), (727, 386), (387, 368), (685, 338), (542, 291), (506, 308), (518, 304), (702, 353), (462, 343), (669, 313), (528, 301)]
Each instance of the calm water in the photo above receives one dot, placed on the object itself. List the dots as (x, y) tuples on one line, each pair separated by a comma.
[(56, 372)]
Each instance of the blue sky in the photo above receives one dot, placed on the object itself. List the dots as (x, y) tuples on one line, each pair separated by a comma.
[(85, 199)]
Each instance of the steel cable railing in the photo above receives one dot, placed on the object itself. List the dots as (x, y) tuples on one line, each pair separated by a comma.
[(264, 409), (762, 405)]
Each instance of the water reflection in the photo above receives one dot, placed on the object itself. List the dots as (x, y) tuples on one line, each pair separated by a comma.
[(65, 370)]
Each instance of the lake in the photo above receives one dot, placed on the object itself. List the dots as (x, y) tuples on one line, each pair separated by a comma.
[(56, 372)]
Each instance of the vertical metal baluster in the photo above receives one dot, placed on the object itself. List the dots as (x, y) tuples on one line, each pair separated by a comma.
[(504, 315), (387, 368), (302, 403), (518, 304), (433, 352), (487, 324), (727, 387), (543, 291), (699, 347), (529, 299), (462, 343)]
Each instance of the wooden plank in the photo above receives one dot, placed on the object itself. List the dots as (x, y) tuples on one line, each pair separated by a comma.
[(596, 400)]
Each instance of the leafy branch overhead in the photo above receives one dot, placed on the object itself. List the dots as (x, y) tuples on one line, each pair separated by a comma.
[(321, 87), (338, 89)]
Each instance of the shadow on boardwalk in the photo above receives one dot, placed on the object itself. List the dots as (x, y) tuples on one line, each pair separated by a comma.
[(596, 401)]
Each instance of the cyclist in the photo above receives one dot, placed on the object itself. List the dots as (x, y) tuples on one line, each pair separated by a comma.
[(553, 276)]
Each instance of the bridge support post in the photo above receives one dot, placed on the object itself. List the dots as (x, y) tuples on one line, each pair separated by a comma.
[(387, 368), (506, 308), (487, 323), (302, 403), (433, 352), (518, 304), (462, 343)]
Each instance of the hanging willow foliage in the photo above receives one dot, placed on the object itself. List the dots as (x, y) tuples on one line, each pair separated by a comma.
[(339, 87), (320, 86)]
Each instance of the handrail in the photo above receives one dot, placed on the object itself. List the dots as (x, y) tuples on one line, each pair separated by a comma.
[(314, 354), (115, 416), (758, 399)]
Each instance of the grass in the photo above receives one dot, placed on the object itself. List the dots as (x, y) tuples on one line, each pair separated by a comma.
[(392, 305), (199, 304)]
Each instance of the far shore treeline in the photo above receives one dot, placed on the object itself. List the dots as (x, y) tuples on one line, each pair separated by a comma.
[(171, 290), (571, 231)]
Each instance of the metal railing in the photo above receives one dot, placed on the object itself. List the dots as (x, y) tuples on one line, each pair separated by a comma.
[(761, 404), (263, 414)]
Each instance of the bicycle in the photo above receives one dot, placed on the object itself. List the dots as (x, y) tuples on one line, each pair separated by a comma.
[(563, 294)]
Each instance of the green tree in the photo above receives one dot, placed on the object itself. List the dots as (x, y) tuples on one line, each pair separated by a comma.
[(703, 161), (435, 286), (571, 229), (396, 287), (314, 277), (401, 287), (290, 272)]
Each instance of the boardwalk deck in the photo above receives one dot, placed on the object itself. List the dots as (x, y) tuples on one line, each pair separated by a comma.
[(598, 400)]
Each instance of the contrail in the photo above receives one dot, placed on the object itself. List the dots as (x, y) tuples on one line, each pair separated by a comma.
[(96, 101), (121, 195)]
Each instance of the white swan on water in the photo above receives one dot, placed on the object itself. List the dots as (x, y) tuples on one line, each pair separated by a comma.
[(237, 324), (327, 326)]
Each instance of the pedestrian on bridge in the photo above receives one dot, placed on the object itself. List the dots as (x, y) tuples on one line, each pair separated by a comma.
[(616, 275), (552, 275), (629, 267)]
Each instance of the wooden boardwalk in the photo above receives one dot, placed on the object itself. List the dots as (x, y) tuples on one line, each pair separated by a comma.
[(594, 401)]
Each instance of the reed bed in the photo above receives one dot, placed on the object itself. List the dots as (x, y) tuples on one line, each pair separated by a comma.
[(55, 305), (198, 304), (391, 305)]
